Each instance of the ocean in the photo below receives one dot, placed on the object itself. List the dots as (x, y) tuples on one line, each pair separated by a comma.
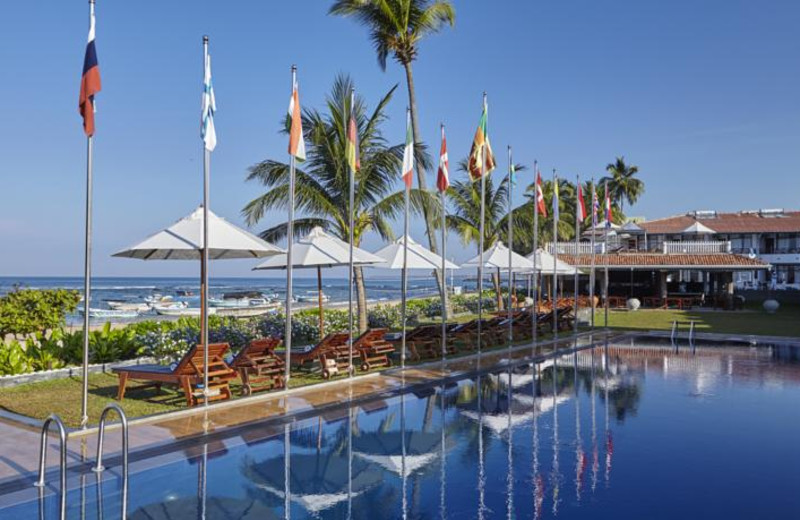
[(136, 289)]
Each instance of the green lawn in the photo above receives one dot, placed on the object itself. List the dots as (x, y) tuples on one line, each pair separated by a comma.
[(785, 322)]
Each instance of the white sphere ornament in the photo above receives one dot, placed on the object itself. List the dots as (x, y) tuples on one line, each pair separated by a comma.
[(771, 306), (633, 304)]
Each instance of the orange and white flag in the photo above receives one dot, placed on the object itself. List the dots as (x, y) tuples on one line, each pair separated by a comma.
[(297, 146)]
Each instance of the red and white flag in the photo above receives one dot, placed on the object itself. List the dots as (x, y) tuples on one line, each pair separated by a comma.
[(443, 175), (408, 154), (581, 209), (541, 207), (297, 145)]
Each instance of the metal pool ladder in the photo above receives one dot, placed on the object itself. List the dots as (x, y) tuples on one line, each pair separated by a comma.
[(62, 434), (98, 468)]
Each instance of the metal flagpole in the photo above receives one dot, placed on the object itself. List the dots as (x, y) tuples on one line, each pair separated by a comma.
[(351, 211), (444, 257), (404, 274), (605, 254), (204, 261), (287, 334), (592, 276), (87, 282), (535, 311), (87, 261), (480, 238), (555, 252), (578, 201), (510, 244)]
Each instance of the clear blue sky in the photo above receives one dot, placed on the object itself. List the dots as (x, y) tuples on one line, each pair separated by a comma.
[(702, 96)]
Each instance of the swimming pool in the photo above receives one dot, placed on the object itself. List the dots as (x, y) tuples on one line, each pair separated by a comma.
[(635, 428)]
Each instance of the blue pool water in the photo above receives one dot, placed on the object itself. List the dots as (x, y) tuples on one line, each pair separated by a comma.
[(632, 429)]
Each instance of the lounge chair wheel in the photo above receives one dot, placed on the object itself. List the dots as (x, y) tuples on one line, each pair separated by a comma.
[(388, 362), (364, 367), (326, 374), (247, 390)]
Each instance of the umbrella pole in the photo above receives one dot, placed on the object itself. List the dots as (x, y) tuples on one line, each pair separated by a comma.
[(319, 294)]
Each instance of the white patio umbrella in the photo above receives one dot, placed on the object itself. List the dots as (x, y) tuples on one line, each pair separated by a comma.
[(184, 241), (319, 249), (497, 257), (544, 263), (418, 256)]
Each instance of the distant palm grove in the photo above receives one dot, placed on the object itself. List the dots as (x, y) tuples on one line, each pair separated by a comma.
[(396, 28)]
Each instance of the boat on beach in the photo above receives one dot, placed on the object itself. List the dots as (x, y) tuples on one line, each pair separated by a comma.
[(111, 313), (311, 297), (139, 307), (174, 310)]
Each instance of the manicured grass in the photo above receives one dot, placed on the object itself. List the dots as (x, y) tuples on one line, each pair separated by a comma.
[(63, 396), (785, 322)]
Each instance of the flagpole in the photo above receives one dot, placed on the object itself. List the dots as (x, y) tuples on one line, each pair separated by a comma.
[(287, 334), (404, 273), (555, 253), (87, 260), (592, 276), (444, 262), (535, 311), (87, 279), (605, 254), (480, 238), (510, 243), (351, 212), (204, 262), (578, 201)]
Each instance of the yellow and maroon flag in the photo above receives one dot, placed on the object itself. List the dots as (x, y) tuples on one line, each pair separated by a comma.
[(481, 158)]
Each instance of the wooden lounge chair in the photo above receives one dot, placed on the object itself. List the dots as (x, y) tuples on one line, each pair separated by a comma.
[(374, 350), (425, 341), (301, 357), (335, 359), (187, 374), (258, 366)]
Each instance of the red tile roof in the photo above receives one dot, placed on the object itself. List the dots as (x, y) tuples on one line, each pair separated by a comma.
[(663, 261), (788, 222)]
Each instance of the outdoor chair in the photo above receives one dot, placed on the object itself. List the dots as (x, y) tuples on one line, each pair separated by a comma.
[(334, 357), (374, 349), (258, 366), (304, 356), (186, 374)]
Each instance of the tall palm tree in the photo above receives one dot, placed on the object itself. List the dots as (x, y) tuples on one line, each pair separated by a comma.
[(464, 217), (622, 183), (398, 27), (322, 187)]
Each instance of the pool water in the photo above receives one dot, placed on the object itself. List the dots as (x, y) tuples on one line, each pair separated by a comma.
[(631, 429)]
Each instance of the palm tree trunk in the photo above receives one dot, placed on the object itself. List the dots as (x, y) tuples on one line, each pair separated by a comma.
[(361, 299), (498, 294), (429, 226)]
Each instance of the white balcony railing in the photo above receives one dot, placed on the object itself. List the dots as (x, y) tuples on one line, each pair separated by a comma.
[(698, 247), (569, 248)]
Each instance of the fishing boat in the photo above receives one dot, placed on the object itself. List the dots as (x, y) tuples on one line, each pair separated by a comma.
[(128, 306), (111, 313), (312, 296), (156, 299), (174, 310), (184, 293), (246, 312)]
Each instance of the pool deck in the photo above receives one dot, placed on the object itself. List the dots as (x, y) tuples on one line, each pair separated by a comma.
[(152, 436)]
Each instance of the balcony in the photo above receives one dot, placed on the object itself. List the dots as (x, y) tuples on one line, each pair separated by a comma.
[(696, 247)]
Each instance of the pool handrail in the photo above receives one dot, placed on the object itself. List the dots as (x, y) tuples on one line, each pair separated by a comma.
[(99, 468), (40, 483)]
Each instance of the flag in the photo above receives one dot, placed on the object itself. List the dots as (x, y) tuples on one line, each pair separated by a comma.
[(541, 207), (595, 205), (608, 209), (443, 175), (555, 198), (90, 80), (352, 145), (481, 152), (209, 106), (408, 154), (581, 207), (297, 145)]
